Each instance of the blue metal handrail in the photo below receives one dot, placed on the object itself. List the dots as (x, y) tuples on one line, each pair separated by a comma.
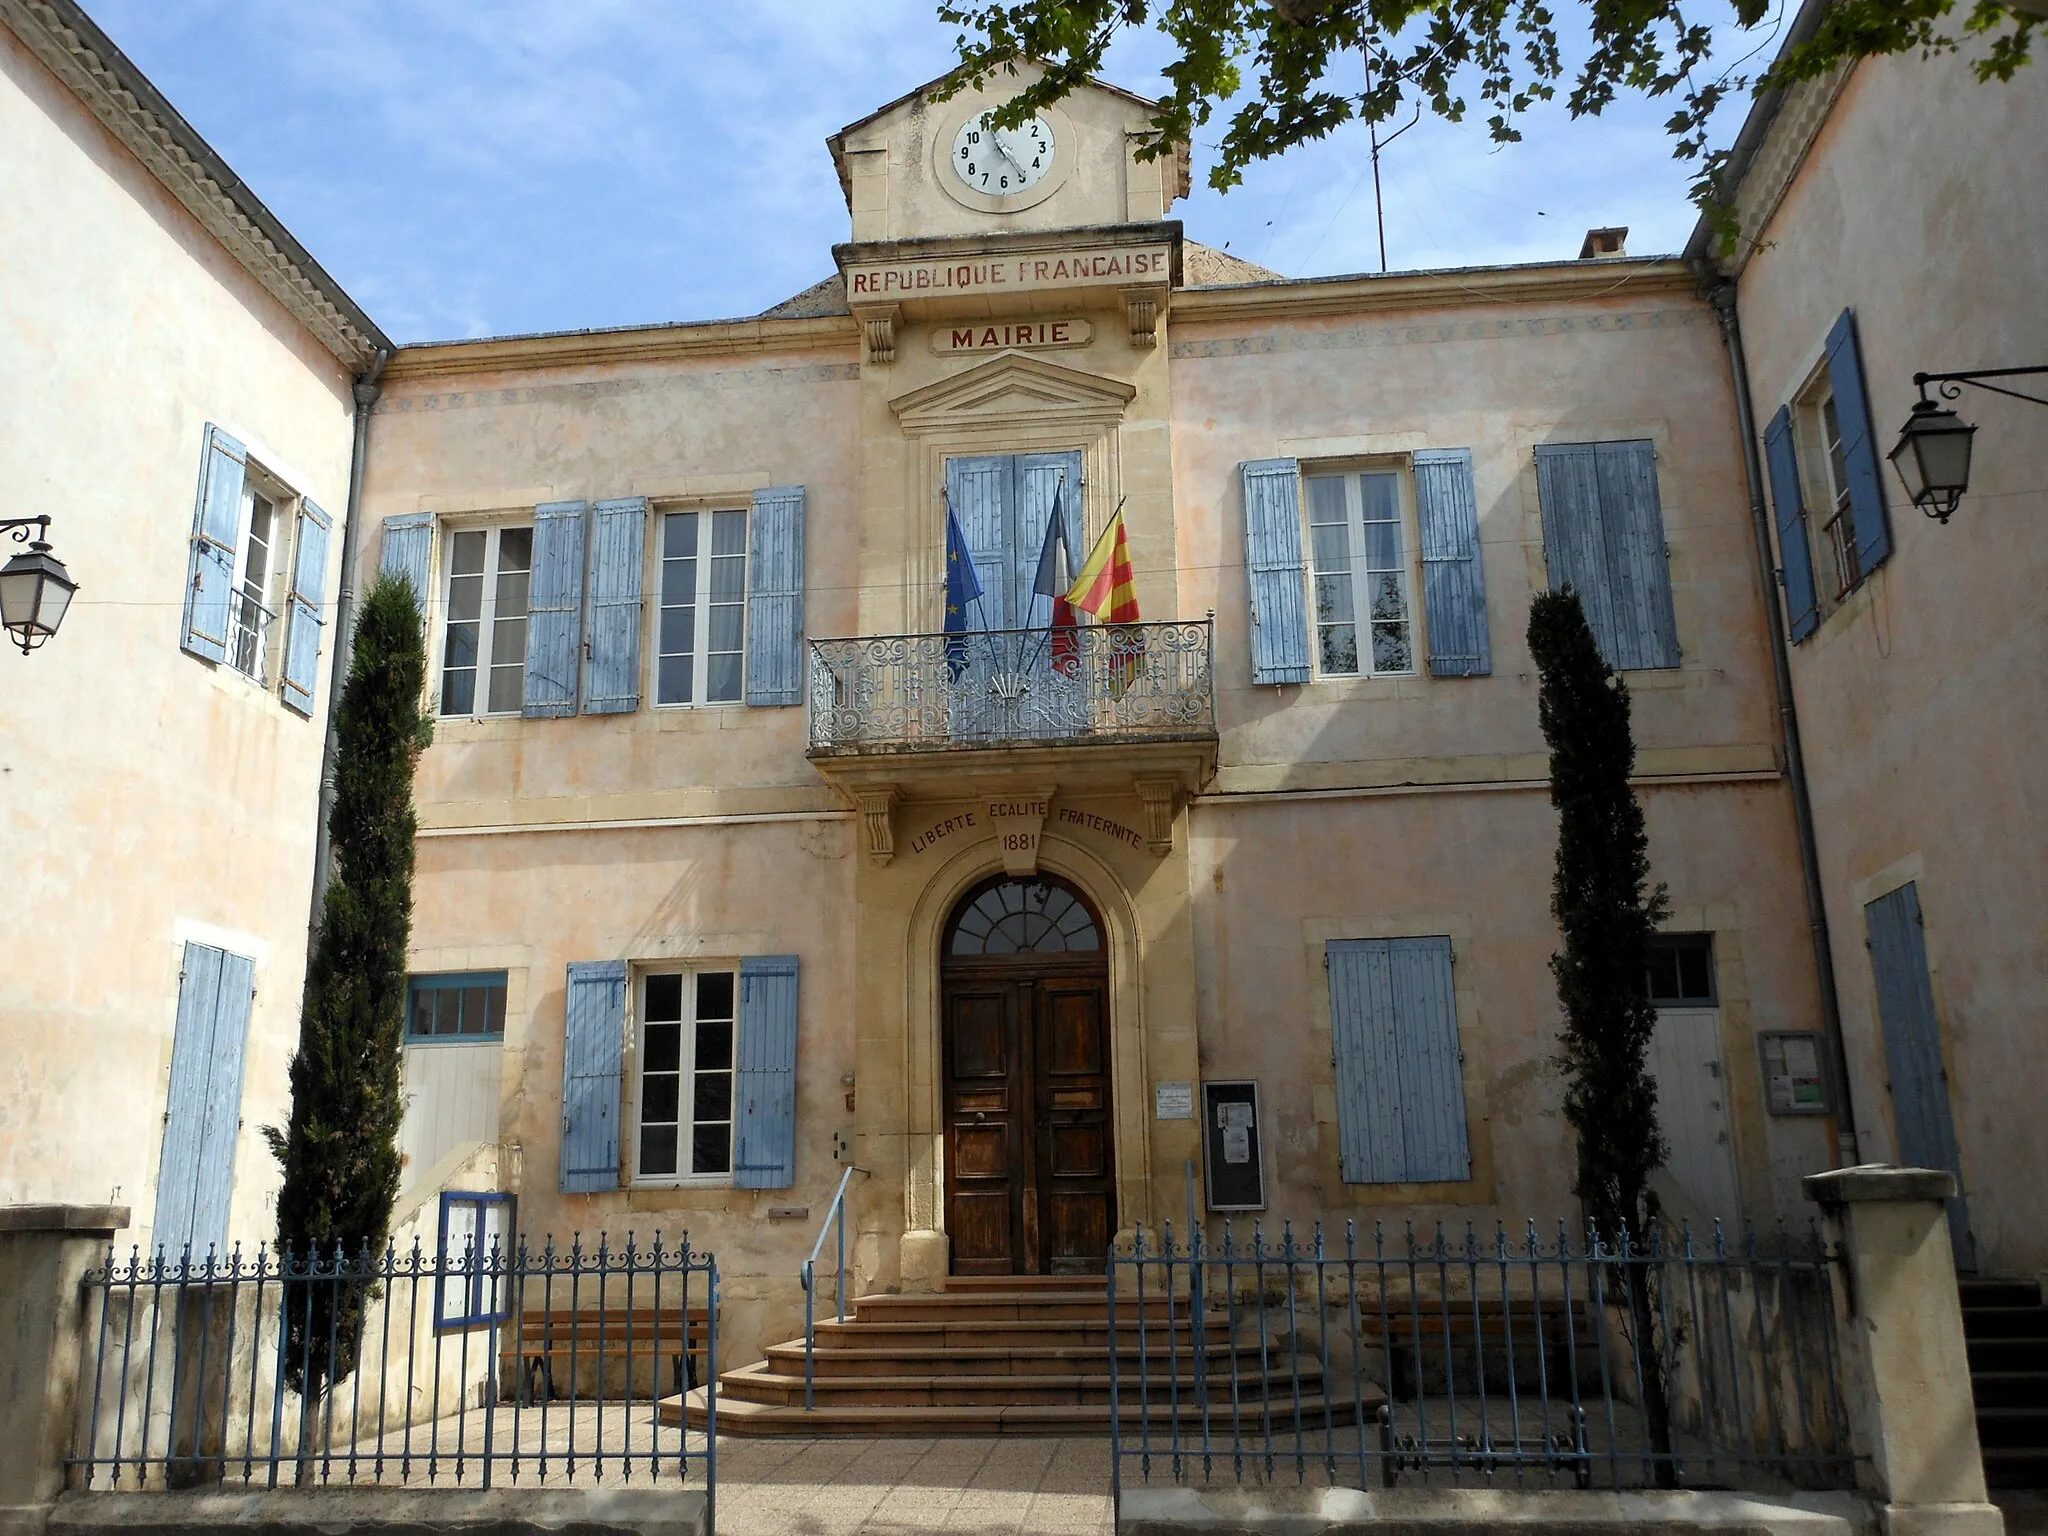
[(834, 1213)]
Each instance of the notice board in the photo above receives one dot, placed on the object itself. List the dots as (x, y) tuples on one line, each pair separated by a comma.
[(1233, 1157)]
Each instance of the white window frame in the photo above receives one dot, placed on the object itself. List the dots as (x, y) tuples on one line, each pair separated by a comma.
[(1354, 523), (1830, 523), (700, 605), (486, 620), (255, 661), (684, 1176)]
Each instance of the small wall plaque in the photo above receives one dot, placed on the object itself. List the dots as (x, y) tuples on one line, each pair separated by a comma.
[(1173, 1101), (1794, 1080)]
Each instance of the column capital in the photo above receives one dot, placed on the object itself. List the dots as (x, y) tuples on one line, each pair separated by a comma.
[(1873, 1182)]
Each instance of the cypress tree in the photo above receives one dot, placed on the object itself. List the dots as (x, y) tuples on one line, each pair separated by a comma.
[(1606, 914), (339, 1150)]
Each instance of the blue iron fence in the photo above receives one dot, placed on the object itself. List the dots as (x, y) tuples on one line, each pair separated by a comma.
[(1479, 1361), (493, 1365)]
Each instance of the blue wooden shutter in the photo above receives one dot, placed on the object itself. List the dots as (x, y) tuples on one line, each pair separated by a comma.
[(1453, 572), (408, 551), (1364, 1040), (1400, 1078), (216, 523), (230, 1047), (1274, 571), (554, 614), (1788, 501), (177, 1176), (618, 555), (302, 609), (1912, 1049), (195, 1174), (1603, 536), (1574, 544), (775, 598), (1433, 1137), (1859, 445), (593, 1057), (1638, 565), (764, 1117)]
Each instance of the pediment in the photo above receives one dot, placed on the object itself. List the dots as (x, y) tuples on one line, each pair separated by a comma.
[(1013, 384)]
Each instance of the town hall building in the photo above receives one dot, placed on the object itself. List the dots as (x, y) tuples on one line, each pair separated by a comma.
[(739, 863), (777, 823)]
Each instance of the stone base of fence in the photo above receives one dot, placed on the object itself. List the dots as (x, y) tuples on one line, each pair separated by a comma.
[(1452, 1511), (388, 1511), (45, 1251)]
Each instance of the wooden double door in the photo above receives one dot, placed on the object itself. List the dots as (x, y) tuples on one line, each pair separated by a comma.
[(1030, 1177)]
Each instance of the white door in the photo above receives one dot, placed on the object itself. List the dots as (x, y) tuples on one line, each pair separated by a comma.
[(1692, 1107), (451, 1097)]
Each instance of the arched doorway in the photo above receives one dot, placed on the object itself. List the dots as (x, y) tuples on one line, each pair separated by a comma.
[(1024, 983)]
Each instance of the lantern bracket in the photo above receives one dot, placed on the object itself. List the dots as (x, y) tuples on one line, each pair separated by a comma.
[(1951, 384), (17, 528)]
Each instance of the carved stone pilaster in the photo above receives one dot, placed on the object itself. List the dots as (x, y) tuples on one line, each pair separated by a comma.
[(878, 331), (1141, 315), (1160, 799), (878, 821)]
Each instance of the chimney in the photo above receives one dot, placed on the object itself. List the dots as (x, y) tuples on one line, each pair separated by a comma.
[(1604, 242)]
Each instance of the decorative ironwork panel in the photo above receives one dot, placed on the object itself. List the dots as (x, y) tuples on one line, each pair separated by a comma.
[(931, 693)]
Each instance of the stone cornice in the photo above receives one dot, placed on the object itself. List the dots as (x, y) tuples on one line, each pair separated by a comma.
[(626, 344), (66, 40), (1542, 283)]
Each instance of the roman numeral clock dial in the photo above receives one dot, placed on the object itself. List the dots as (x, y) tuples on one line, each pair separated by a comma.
[(1002, 162)]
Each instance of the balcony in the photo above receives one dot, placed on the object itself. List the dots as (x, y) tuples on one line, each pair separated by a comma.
[(1092, 709)]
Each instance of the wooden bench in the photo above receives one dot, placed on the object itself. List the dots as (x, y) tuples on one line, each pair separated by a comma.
[(545, 1341)]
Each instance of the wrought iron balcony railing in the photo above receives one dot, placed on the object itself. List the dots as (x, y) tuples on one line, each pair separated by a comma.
[(932, 693)]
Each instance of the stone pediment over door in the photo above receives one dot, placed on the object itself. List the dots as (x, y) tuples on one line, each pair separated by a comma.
[(1013, 388)]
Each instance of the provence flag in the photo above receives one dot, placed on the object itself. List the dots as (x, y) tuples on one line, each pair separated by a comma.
[(1051, 582), (962, 588), (1107, 588)]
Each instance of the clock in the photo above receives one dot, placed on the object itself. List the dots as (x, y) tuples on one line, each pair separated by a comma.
[(1003, 162)]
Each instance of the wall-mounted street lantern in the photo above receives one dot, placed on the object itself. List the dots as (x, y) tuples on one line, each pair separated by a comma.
[(1933, 452), (35, 589)]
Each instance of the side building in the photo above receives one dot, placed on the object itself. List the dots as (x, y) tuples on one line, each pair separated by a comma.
[(740, 862), (1890, 225), (180, 404)]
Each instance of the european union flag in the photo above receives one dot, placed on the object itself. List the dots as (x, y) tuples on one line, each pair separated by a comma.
[(963, 586)]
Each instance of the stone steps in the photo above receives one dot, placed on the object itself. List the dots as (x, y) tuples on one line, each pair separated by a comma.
[(999, 1355), (2005, 1329)]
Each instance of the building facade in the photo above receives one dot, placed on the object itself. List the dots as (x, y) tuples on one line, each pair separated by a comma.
[(180, 404), (742, 867), (1892, 212), (776, 824)]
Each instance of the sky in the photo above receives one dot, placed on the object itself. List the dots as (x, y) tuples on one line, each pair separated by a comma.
[(471, 168)]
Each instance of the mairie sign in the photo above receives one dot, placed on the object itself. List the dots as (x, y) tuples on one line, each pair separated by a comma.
[(1001, 336)]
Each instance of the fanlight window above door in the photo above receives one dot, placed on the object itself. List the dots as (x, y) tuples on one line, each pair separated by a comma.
[(1025, 917)]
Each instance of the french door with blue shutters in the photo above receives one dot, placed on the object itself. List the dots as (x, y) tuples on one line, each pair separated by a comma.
[(1926, 1125), (202, 1119), (1008, 688)]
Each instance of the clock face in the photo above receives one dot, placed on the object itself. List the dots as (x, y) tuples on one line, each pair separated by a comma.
[(1002, 161)]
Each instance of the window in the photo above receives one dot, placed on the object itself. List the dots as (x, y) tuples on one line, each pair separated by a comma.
[(687, 1025), (471, 1286), (1359, 565), (1837, 565), (457, 1005), (260, 562), (483, 659), (703, 608), (1682, 970)]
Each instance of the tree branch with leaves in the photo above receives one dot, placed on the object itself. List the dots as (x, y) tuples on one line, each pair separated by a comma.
[(1297, 57)]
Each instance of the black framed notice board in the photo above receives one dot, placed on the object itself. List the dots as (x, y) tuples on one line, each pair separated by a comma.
[(1233, 1158)]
